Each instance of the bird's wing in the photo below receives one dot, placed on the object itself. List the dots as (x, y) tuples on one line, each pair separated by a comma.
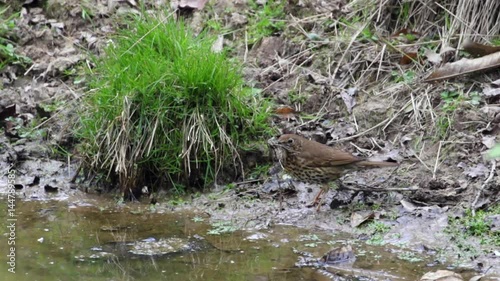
[(330, 157)]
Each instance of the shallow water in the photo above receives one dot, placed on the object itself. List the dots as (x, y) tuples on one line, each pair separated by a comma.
[(56, 239)]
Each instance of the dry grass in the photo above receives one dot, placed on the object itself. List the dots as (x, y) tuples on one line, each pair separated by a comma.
[(360, 46)]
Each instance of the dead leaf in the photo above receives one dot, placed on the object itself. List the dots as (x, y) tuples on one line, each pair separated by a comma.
[(408, 205), (317, 78), (408, 58), (488, 141), (478, 50), (447, 53), (192, 4), (357, 218), (441, 275), (465, 66), (433, 57), (54, 24), (348, 98), (491, 92), (479, 170), (285, 112)]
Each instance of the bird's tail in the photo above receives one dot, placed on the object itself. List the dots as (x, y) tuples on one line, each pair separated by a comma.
[(376, 164)]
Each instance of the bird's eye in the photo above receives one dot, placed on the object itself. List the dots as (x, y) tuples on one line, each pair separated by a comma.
[(290, 141)]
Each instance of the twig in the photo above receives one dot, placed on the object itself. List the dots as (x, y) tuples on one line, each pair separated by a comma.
[(370, 189), (436, 164), (485, 183), (364, 132), (422, 162), (249, 181)]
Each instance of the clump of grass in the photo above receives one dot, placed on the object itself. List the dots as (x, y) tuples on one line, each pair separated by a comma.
[(166, 106)]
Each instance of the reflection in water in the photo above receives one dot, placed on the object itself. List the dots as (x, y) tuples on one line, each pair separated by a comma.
[(60, 242)]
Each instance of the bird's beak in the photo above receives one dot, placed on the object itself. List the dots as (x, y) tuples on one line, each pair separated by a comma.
[(273, 142)]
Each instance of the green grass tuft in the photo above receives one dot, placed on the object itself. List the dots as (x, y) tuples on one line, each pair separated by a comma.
[(165, 104)]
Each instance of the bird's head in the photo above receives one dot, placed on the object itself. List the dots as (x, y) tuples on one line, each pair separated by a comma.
[(288, 143)]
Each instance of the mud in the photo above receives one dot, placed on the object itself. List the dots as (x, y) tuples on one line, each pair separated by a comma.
[(442, 181)]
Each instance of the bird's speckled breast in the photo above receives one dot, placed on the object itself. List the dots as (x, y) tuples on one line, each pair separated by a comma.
[(302, 172)]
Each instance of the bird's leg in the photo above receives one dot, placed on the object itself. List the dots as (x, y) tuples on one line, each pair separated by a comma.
[(319, 205), (317, 198)]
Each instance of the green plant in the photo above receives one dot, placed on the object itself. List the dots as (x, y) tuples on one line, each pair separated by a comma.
[(406, 77), (494, 152), (88, 13), (222, 227), (198, 219), (166, 104), (259, 170), (176, 201), (266, 19), (474, 98), (309, 237), (443, 123), (296, 97), (214, 24), (368, 35), (476, 226), (451, 100), (29, 131), (376, 230), (409, 256), (379, 227), (53, 106), (8, 54)]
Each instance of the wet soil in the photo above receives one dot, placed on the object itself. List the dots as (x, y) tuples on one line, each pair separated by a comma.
[(59, 40)]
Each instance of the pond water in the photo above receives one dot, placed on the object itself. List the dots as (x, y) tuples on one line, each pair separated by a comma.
[(57, 240)]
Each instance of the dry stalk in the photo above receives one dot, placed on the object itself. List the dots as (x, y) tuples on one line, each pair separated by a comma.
[(485, 183), (436, 164)]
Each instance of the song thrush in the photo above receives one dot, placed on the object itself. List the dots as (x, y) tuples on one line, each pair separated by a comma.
[(312, 162)]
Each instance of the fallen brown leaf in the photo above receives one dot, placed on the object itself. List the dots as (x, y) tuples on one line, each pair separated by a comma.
[(465, 66), (479, 50)]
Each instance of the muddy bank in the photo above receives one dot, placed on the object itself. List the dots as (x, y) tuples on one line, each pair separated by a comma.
[(90, 237), (444, 170)]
